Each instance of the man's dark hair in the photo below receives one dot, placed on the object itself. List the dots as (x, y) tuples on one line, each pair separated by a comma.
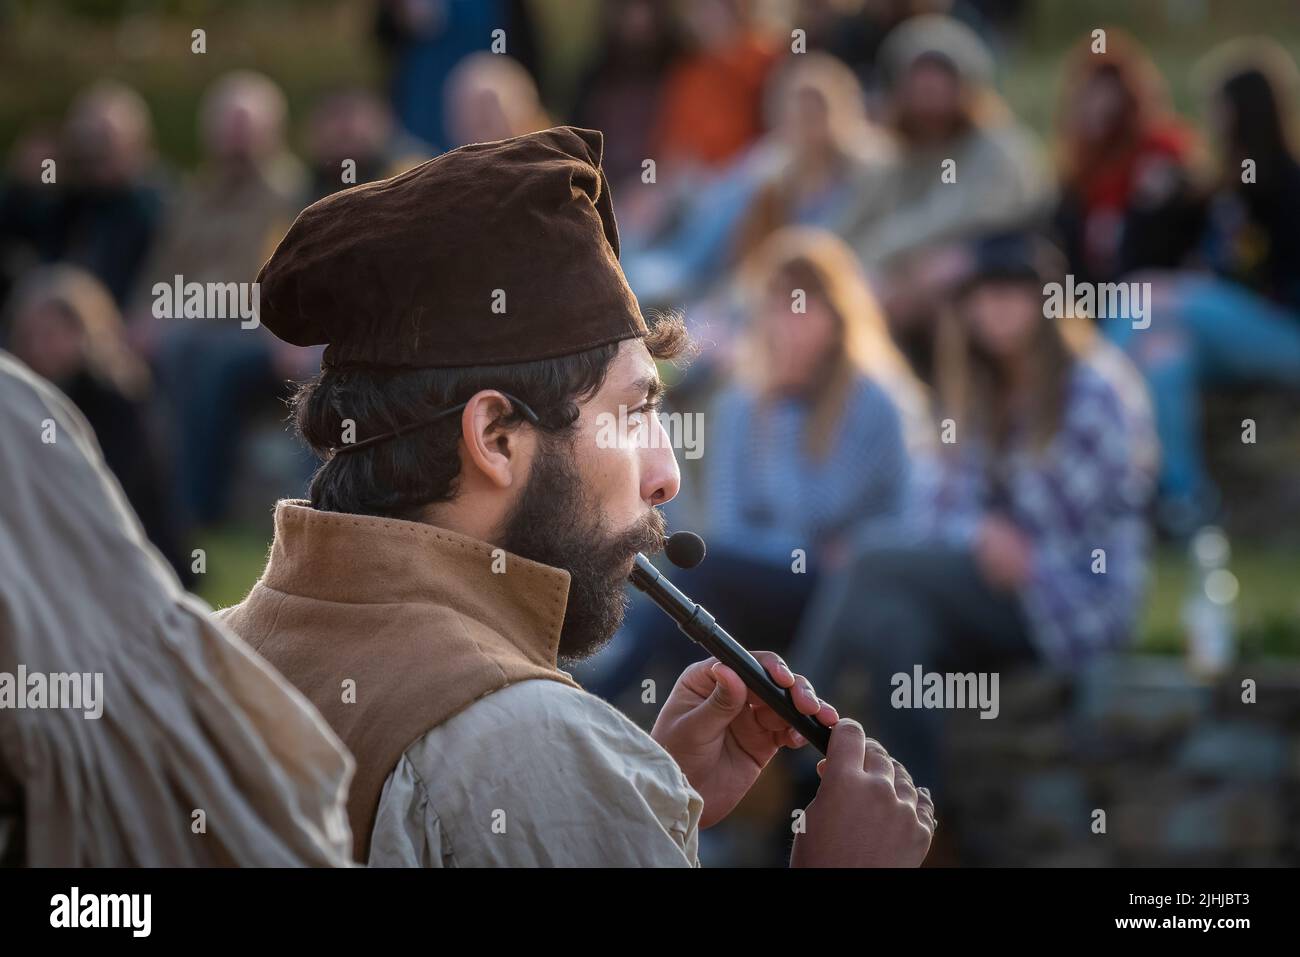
[(400, 477)]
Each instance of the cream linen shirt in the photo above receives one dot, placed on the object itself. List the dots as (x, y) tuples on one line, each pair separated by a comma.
[(537, 774), (189, 719)]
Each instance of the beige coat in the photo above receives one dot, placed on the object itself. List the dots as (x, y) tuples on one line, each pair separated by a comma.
[(434, 657)]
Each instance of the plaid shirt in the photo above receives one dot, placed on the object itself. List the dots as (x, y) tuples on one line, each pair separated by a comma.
[(1087, 490)]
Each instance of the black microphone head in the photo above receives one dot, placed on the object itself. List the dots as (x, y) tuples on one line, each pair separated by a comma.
[(684, 549)]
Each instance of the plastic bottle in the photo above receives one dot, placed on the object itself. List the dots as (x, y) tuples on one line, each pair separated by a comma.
[(1209, 610)]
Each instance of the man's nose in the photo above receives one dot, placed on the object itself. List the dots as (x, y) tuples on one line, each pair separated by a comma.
[(661, 479)]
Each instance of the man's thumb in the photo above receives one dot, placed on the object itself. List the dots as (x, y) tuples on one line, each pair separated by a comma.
[(728, 695)]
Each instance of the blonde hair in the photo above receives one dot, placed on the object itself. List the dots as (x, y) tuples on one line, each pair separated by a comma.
[(508, 82), (835, 83), (825, 267), (87, 303)]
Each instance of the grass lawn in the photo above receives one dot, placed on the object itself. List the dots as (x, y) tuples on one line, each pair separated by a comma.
[(1268, 606)]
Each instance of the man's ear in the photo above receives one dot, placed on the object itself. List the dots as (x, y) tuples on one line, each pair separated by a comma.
[(497, 451)]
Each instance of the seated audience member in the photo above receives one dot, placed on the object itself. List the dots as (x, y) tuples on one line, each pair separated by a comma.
[(352, 139), (621, 90), (821, 164), (940, 102), (826, 165), (854, 31), (110, 202), (228, 220), (966, 168), (66, 328), (491, 97), (803, 453), (1125, 161), (243, 195), (1028, 541), (27, 206), (424, 41), (713, 103), (1236, 319)]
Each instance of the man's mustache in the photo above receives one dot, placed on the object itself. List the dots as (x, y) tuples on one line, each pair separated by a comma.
[(647, 535)]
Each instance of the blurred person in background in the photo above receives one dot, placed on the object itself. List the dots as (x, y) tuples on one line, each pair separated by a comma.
[(854, 30), (826, 158), (107, 200), (243, 196), (1235, 320), (426, 39), (491, 97), (713, 104), (1126, 164), (355, 125), (806, 451), (966, 168), (941, 105), (226, 223), (1051, 458), (621, 91), (712, 112), (66, 328), (821, 164), (27, 206)]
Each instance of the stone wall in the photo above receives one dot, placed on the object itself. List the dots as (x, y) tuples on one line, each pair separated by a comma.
[(1186, 773)]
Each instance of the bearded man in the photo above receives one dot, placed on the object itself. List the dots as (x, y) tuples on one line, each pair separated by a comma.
[(468, 530)]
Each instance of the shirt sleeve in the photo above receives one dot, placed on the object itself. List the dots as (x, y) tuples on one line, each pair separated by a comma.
[(878, 456), (538, 774), (407, 832)]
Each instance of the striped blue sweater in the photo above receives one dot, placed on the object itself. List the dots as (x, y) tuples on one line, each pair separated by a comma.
[(766, 496)]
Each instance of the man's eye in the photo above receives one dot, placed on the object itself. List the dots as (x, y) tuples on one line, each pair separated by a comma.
[(641, 414)]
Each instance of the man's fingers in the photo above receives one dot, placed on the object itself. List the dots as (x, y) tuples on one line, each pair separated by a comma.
[(728, 695), (768, 719), (923, 798), (876, 759), (925, 809), (776, 667), (801, 692), (699, 678), (828, 715), (805, 699), (801, 689), (903, 785), (847, 747)]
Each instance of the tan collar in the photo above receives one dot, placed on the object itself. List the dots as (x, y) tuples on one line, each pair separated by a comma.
[(361, 559)]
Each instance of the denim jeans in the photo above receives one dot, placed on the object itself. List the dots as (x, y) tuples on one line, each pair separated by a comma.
[(894, 609), (1210, 332)]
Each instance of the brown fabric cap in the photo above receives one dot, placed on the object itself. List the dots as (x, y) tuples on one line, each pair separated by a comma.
[(404, 272)]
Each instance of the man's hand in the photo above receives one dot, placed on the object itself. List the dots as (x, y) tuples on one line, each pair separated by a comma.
[(1004, 554), (722, 735), (867, 812)]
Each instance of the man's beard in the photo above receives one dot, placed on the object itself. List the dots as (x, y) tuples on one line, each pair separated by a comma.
[(556, 523)]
